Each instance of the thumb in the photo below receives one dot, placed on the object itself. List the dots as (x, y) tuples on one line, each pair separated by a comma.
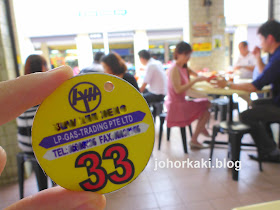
[(18, 95), (59, 198)]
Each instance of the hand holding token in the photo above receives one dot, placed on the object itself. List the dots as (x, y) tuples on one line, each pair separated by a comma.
[(95, 139), (15, 97), (201, 78)]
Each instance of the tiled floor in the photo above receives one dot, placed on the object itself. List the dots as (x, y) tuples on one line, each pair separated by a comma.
[(184, 188)]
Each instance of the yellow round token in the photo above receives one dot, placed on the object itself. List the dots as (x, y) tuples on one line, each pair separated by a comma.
[(95, 132)]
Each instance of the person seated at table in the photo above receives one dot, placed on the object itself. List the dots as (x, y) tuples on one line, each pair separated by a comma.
[(245, 65), (155, 78), (33, 64), (246, 61), (182, 112), (95, 66), (114, 64), (264, 111)]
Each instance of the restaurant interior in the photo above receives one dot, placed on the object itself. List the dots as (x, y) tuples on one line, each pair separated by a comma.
[(176, 176)]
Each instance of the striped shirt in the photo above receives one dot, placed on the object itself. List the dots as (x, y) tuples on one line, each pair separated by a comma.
[(24, 123)]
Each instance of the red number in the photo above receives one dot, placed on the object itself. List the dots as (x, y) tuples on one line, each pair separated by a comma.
[(120, 161), (93, 169)]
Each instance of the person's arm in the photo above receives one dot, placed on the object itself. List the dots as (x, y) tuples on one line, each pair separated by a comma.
[(143, 87), (18, 95), (250, 68), (192, 72), (269, 76), (260, 65), (176, 81), (249, 87), (259, 62)]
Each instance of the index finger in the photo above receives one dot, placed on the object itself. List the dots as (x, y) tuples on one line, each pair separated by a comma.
[(17, 95)]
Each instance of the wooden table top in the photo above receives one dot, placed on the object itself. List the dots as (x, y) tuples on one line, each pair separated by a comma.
[(207, 88)]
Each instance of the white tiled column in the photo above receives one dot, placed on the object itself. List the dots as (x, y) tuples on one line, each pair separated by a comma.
[(166, 52), (199, 14), (186, 26), (141, 42), (239, 36), (276, 9), (106, 43), (84, 50), (46, 53), (8, 131)]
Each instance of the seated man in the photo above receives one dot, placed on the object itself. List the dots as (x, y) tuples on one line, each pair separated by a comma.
[(155, 77), (264, 111), (245, 65), (246, 61)]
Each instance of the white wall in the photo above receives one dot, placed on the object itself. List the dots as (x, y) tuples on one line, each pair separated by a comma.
[(277, 10), (252, 37), (54, 17), (239, 12)]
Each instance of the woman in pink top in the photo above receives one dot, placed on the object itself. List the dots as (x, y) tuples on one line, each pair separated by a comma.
[(181, 112)]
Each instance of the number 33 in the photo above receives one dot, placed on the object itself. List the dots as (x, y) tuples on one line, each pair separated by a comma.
[(95, 168)]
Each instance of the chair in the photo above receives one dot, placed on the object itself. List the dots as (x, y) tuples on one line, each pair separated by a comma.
[(157, 108), (42, 180), (162, 117), (235, 130), (221, 104)]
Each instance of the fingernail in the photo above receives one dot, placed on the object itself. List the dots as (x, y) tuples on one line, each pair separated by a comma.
[(60, 67)]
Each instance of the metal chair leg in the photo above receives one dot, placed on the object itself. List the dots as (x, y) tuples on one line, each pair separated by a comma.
[(214, 134), (184, 139), (190, 129), (235, 141), (20, 163), (168, 133), (160, 131)]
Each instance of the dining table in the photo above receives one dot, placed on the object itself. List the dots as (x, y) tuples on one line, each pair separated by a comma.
[(209, 89), (228, 125)]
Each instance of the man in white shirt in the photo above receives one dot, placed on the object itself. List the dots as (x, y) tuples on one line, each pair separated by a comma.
[(155, 77), (246, 61)]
